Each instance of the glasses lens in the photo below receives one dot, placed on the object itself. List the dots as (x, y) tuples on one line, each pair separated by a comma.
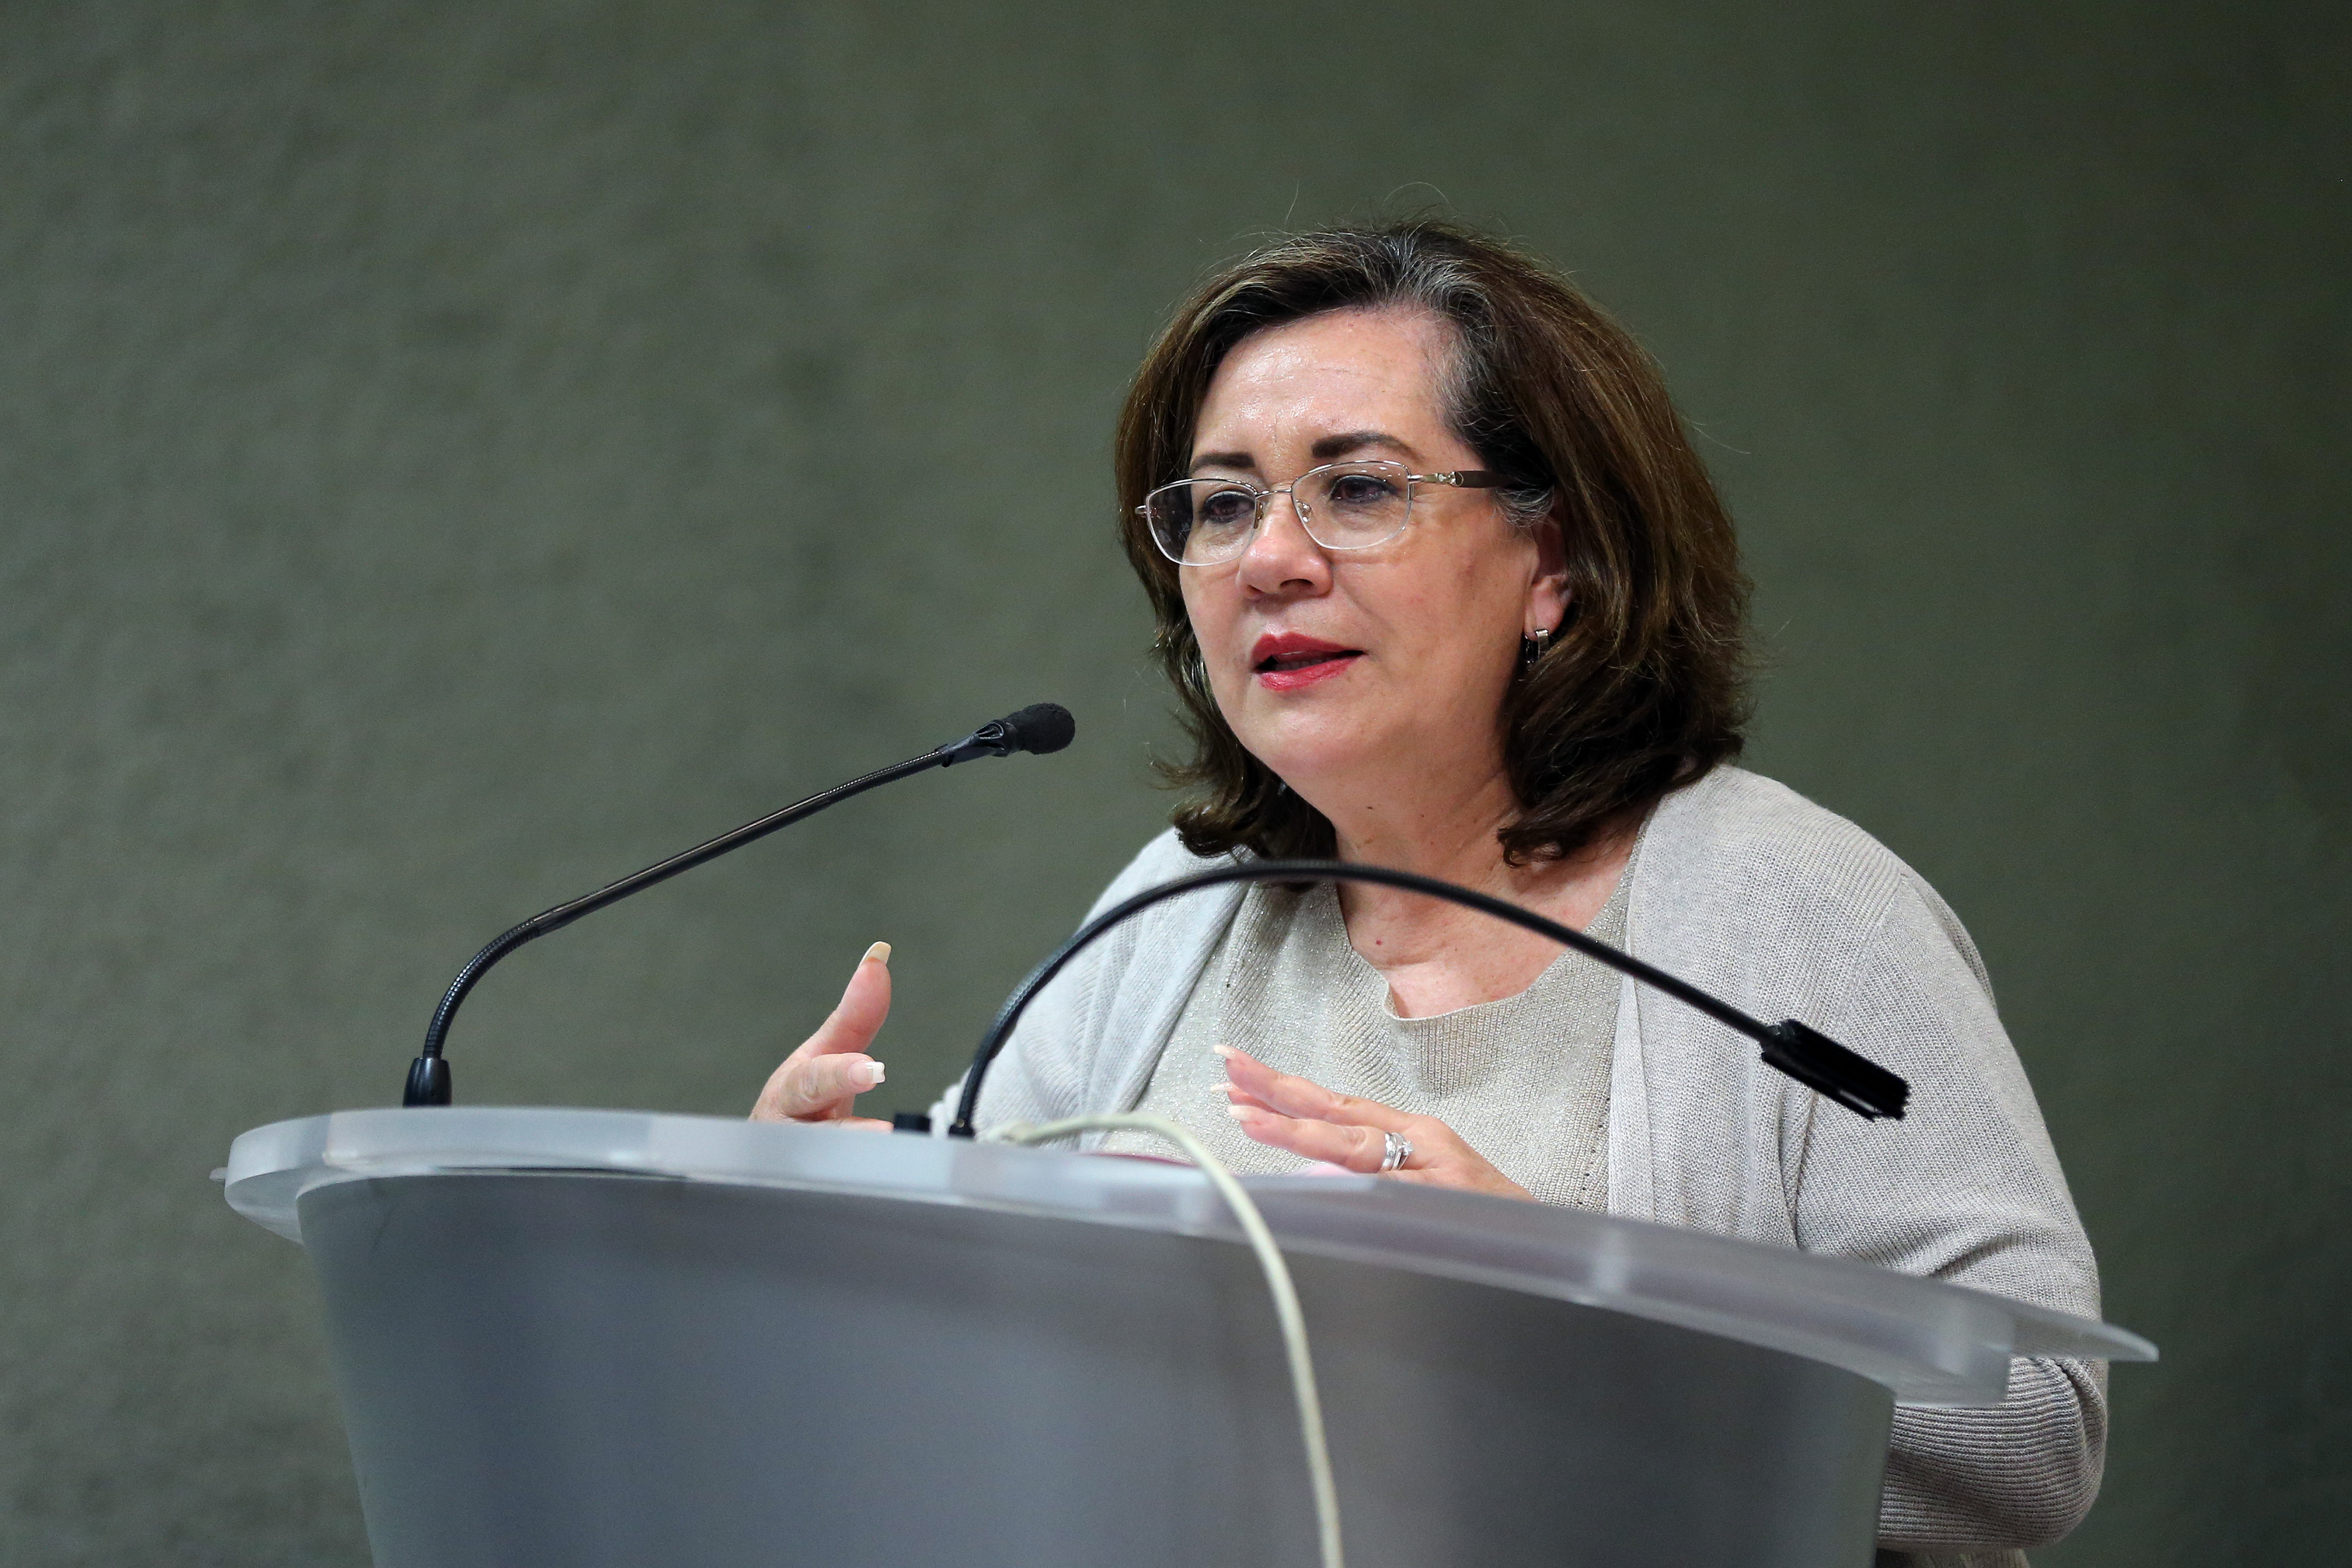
[(1352, 505), (1201, 520)]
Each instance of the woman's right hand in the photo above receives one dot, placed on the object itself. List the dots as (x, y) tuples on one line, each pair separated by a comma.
[(822, 1080)]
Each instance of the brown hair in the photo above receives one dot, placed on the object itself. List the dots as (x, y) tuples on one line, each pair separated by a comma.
[(1642, 687)]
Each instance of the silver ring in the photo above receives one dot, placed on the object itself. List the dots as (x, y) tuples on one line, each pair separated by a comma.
[(1395, 1152)]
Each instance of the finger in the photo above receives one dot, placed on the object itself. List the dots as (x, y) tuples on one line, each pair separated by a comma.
[(1277, 1091), (1295, 1096), (1243, 1067), (1233, 1094), (795, 1092), (806, 1088), (1358, 1148), (817, 1086), (784, 1098), (857, 1017)]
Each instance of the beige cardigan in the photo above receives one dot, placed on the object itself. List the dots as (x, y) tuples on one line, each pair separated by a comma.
[(1747, 889)]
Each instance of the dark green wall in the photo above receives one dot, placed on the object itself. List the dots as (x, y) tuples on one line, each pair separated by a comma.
[(451, 454)]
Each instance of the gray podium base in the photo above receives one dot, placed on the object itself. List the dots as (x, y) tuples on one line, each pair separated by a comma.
[(595, 1371)]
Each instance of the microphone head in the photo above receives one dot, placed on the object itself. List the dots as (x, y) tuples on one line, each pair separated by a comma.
[(1041, 727)]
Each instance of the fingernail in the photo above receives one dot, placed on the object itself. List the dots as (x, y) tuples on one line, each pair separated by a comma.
[(1238, 1112), (879, 953), (869, 1072), (1225, 1050)]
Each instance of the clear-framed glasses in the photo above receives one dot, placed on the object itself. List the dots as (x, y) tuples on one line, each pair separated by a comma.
[(1342, 506)]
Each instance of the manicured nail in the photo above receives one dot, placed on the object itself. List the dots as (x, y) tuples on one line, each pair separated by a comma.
[(879, 953), (1225, 1050), (1238, 1112), (867, 1073)]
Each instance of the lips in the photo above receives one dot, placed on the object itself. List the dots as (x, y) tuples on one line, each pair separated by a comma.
[(1288, 661)]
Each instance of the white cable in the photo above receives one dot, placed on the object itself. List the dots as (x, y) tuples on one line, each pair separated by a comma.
[(1277, 1285)]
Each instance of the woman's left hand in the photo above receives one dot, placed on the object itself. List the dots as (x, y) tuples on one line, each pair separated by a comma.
[(1297, 1114)]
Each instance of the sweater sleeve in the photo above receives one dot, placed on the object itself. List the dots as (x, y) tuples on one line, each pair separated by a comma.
[(1966, 1189), (1073, 1039)]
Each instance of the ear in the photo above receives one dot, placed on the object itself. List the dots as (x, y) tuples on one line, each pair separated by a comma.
[(1547, 591)]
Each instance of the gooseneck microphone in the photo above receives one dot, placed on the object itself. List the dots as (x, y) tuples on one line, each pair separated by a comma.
[(1041, 727), (1810, 1057)]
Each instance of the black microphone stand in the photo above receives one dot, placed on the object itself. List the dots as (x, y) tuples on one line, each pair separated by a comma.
[(1812, 1058), (1045, 727)]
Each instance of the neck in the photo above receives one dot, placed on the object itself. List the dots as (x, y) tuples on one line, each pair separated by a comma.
[(1438, 824), (1450, 837), (1445, 828)]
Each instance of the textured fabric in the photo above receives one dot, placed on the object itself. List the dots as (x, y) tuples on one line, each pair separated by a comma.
[(1524, 1080), (1744, 888)]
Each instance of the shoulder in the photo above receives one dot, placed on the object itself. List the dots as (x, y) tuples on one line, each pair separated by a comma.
[(1739, 853), (1745, 822), (1747, 889), (1162, 859), (1091, 1038)]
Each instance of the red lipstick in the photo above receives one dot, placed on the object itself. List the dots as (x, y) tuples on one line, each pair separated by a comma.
[(1288, 661)]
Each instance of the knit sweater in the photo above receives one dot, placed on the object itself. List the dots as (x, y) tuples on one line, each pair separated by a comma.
[(1747, 890), (1523, 1079)]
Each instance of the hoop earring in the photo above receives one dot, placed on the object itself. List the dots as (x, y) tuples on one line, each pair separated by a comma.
[(1531, 648)]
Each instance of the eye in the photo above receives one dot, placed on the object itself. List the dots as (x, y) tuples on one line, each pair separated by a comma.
[(1365, 491), (1226, 508)]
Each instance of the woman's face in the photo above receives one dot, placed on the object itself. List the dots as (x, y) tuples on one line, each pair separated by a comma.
[(1340, 668)]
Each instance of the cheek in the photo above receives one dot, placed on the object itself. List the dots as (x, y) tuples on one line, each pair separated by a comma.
[(1211, 619), (1464, 626), (1447, 614), (1203, 615)]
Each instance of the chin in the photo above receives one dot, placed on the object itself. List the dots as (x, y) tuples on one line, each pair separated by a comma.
[(1306, 745)]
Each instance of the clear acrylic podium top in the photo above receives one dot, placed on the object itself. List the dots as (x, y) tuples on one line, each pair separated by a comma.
[(1930, 1342)]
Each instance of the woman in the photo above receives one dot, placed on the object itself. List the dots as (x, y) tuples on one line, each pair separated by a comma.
[(1442, 587)]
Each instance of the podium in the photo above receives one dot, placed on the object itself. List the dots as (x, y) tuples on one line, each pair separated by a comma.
[(594, 1338)]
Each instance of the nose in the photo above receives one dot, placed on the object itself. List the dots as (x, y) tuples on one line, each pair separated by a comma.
[(1281, 560)]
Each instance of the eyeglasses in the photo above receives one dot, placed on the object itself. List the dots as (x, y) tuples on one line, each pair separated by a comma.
[(1342, 506)]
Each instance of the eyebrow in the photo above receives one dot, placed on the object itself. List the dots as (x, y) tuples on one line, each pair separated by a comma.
[(1333, 446), (1329, 449)]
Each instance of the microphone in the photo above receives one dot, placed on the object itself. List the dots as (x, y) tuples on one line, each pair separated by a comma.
[(1805, 1054), (1041, 727)]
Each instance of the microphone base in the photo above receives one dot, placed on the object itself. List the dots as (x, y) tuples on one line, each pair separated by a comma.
[(429, 1082)]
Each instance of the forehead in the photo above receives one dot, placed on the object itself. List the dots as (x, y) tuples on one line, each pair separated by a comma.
[(1344, 370)]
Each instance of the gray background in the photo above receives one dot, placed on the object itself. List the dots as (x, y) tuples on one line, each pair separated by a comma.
[(452, 454)]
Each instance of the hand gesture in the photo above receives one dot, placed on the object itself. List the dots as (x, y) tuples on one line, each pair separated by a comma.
[(1295, 1113), (822, 1080)]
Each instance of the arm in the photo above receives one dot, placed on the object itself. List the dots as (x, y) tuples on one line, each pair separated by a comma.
[(1967, 1190)]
